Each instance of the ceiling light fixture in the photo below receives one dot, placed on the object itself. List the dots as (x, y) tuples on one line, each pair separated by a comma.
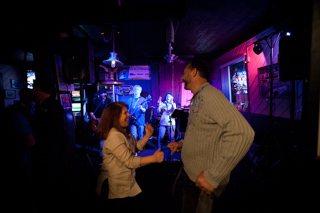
[(113, 61)]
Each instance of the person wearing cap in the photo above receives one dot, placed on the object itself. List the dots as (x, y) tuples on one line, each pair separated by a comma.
[(49, 154), (98, 104)]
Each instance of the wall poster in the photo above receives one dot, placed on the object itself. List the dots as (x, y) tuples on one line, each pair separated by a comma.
[(281, 89)]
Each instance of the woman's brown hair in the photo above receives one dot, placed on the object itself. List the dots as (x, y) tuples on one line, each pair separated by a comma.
[(110, 119)]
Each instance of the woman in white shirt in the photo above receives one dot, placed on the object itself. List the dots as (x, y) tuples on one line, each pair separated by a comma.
[(166, 122), (119, 161)]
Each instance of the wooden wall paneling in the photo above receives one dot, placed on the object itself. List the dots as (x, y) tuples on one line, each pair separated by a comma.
[(258, 104), (9, 73)]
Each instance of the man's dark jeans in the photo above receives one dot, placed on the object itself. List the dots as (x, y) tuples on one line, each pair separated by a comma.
[(189, 197)]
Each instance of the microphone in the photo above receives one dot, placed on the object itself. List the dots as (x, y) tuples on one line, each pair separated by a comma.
[(159, 101)]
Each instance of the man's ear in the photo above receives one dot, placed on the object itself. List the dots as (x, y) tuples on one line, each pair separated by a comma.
[(194, 72)]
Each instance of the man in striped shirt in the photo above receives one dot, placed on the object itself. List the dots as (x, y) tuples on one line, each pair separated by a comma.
[(216, 139)]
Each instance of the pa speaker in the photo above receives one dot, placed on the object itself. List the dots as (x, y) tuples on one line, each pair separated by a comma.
[(293, 58), (77, 60), (124, 98)]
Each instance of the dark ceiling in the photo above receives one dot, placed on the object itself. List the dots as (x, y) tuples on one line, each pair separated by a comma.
[(206, 28)]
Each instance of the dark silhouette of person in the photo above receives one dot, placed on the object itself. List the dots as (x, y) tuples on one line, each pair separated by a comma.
[(18, 140), (49, 153)]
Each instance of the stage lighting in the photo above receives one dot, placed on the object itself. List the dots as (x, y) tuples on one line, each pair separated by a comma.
[(257, 49)]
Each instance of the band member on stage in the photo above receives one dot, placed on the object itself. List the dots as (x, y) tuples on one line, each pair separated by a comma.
[(98, 104), (166, 122), (137, 108)]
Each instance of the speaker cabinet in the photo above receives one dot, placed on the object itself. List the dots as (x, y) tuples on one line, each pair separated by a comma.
[(293, 58), (124, 98), (77, 60)]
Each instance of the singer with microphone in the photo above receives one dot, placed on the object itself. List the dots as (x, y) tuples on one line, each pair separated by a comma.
[(166, 122)]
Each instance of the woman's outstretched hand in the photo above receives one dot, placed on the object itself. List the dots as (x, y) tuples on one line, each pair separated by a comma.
[(149, 130), (158, 156)]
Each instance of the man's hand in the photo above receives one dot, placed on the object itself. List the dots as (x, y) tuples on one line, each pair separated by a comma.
[(203, 184), (93, 116), (142, 109), (175, 146)]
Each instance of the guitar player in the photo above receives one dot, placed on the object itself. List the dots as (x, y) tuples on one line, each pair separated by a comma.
[(98, 104), (137, 108)]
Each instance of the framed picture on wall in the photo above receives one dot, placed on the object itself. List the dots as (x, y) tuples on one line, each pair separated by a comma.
[(10, 94), (66, 101), (16, 84), (281, 89)]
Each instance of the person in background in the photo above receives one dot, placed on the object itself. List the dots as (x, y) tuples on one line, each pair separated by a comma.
[(137, 108), (18, 140), (166, 122), (216, 139), (26, 103), (98, 104), (50, 151), (116, 183)]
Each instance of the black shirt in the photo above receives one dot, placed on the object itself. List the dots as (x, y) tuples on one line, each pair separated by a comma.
[(98, 105)]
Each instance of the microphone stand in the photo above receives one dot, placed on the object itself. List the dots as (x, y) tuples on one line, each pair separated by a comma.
[(170, 132), (270, 135)]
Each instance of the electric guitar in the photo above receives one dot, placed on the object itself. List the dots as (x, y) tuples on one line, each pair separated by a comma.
[(134, 115), (93, 124)]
